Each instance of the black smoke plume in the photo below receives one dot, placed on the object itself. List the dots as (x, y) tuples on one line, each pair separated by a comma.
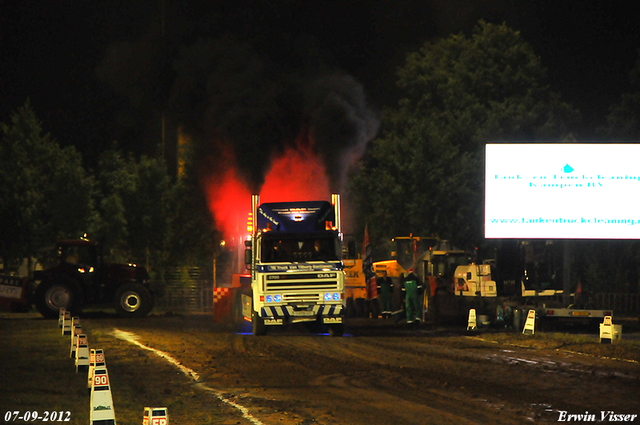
[(226, 94)]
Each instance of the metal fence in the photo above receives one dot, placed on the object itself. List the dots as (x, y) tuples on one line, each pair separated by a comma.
[(185, 290), (619, 303)]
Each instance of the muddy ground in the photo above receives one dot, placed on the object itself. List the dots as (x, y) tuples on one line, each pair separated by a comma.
[(383, 373), (379, 373)]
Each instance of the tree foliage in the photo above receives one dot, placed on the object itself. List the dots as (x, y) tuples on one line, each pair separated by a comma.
[(131, 206), (487, 87), (623, 121), (147, 217), (424, 175), (45, 193), (116, 183)]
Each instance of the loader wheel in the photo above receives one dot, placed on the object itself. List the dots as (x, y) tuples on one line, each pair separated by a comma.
[(51, 297), (258, 328), (133, 300), (360, 307), (351, 307)]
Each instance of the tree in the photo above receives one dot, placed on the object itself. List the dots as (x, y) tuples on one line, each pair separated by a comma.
[(115, 183), (148, 211), (45, 192), (424, 175), (487, 87), (192, 237), (135, 200), (623, 121)]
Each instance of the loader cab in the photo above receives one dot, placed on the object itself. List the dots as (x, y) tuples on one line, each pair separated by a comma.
[(409, 249)]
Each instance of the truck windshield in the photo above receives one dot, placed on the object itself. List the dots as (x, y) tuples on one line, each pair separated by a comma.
[(295, 248)]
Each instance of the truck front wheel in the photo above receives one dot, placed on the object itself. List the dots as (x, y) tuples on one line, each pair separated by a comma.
[(336, 330), (257, 324), (133, 300), (51, 297)]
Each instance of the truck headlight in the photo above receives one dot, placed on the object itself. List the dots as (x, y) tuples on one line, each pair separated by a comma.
[(335, 296)]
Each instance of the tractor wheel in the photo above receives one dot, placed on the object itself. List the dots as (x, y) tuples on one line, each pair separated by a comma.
[(133, 300), (52, 296)]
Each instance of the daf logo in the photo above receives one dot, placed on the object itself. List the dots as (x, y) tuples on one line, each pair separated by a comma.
[(324, 275)]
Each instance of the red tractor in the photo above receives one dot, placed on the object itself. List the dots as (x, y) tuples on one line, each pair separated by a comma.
[(82, 278)]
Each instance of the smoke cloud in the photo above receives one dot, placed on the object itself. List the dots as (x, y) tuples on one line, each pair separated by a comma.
[(227, 94), (245, 111)]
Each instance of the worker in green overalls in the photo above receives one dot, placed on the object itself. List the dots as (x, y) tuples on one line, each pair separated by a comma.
[(412, 289)]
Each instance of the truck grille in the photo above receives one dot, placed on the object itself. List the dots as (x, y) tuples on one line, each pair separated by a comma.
[(315, 285), (289, 298)]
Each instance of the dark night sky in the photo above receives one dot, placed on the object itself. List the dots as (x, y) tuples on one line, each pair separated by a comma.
[(51, 49)]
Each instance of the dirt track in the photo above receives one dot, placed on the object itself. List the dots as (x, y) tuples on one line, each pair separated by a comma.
[(382, 374)]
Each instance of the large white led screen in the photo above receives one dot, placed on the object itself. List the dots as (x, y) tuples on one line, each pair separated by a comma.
[(562, 191)]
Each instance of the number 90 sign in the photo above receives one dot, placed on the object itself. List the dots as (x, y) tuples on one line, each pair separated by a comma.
[(100, 380)]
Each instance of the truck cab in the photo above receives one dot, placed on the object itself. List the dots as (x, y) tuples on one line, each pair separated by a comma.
[(295, 260), (473, 280)]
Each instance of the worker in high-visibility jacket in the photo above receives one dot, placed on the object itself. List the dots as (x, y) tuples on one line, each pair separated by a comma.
[(412, 289)]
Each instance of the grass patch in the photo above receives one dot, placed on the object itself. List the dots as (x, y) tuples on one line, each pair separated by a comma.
[(38, 375), (37, 372)]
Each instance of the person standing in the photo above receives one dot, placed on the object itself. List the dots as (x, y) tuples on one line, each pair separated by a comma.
[(412, 288), (370, 277), (385, 289)]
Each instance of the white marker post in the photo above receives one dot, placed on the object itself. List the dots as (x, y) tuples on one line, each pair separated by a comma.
[(61, 318), (609, 332), (82, 353), (96, 359), (472, 324), (92, 365), (102, 411), (155, 416), (77, 330), (530, 324), (66, 324)]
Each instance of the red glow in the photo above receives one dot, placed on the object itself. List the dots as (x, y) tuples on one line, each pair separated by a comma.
[(229, 200), (297, 174)]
